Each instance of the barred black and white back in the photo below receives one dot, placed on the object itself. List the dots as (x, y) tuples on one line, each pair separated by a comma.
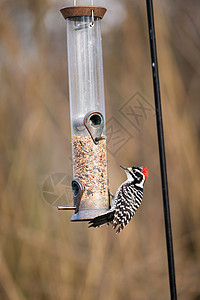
[(126, 201)]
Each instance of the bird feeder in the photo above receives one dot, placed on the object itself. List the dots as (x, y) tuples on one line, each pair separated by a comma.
[(87, 111)]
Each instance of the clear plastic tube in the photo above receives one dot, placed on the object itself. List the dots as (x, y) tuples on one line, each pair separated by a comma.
[(85, 67), (87, 113)]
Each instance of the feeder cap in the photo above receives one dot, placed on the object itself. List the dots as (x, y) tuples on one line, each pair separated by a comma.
[(80, 11)]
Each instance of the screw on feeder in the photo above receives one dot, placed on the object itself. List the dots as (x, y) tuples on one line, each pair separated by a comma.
[(87, 25), (92, 15)]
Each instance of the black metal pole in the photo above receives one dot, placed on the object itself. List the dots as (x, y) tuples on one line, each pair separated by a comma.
[(156, 86)]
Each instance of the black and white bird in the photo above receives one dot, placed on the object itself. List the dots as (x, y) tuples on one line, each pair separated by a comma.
[(126, 201)]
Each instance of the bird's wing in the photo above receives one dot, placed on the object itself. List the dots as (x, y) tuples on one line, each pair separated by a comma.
[(102, 219), (128, 199)]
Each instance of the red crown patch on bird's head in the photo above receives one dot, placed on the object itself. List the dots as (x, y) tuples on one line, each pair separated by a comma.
[(145, 172)]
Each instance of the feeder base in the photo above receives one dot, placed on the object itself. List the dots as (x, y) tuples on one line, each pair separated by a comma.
[(87, 214)]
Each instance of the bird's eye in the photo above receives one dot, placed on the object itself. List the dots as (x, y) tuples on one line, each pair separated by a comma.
[(138, 174)]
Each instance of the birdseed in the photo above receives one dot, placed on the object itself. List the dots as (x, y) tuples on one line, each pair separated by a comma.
[(90, 168)]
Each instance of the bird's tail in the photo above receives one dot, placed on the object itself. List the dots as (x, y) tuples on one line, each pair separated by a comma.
[(102, 219)]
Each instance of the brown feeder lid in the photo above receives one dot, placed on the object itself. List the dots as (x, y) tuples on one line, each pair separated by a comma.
[(80, 11)]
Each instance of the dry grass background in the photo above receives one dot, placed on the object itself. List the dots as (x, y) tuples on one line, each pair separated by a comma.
[(42, 254)]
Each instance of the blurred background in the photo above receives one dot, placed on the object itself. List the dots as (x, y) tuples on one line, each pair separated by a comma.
[(42, 254)]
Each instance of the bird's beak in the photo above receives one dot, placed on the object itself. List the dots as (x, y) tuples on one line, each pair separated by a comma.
[(123, 167)]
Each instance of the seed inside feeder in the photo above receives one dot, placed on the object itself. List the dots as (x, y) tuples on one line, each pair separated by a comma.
[(90, 168)]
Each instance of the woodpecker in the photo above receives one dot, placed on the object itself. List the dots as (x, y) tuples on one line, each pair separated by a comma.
[(126, 200)]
